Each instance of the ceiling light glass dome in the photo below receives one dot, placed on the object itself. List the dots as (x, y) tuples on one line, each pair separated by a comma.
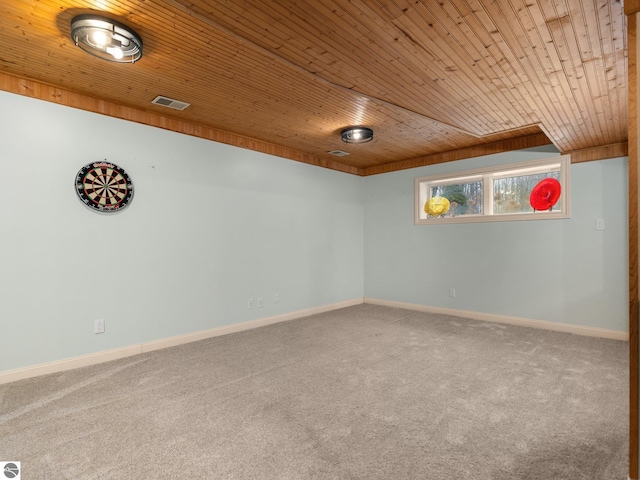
[(106, 38), (357, 135)]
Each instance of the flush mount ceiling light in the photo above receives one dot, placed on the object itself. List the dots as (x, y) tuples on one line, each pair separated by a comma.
[(106, 38), (357, 135)]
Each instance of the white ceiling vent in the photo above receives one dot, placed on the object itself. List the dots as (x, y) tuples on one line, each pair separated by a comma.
[(338, 153), (170, 102)]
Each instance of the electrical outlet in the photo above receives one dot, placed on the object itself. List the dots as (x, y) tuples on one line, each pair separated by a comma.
[(250, 303), (260, 302), (600, 224), (276, 298), (452, 292), (98, 326)]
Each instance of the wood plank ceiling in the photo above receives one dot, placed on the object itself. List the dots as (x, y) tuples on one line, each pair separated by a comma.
[(436, 80)]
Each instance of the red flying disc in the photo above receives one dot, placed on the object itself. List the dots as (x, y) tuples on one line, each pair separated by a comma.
[(545, 194)]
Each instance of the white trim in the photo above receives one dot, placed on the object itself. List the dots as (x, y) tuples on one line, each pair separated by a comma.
[(68, 364), (240, 327), (523, 322), (422, 189), (117, 353)]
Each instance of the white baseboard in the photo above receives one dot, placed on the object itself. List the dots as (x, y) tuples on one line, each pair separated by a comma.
[(114, 354), (117, 353), (240, 327), (523, 322)]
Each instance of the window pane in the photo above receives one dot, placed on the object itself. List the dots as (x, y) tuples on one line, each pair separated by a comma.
[(464, 198), (460, 197), (511, 194)]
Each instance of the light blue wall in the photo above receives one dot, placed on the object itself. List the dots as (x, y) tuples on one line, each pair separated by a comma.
[(209, 227), (555, 270), (212, 225)]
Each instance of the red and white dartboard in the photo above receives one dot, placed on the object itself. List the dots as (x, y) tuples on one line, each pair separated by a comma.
[(104, 187)]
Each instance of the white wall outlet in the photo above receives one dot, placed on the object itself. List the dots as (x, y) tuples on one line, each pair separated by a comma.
[(452, 292), (250, 304), (600, 224), (276, 298), (260, 302), (98, 326)]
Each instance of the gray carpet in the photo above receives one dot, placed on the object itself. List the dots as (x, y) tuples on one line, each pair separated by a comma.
[(365, 392)]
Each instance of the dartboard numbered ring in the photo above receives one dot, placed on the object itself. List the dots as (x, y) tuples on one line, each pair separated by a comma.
[(104, 187)]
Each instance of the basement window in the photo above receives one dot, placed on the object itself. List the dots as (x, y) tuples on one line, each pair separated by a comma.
[(533, 190)]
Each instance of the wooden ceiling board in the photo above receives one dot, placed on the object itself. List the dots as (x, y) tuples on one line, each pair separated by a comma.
[(362, 64), (433, 79)]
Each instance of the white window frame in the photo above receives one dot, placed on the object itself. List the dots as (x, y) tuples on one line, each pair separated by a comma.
[(422, 188)]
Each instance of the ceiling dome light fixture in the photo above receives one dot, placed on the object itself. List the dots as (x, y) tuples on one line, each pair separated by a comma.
[(357, 135), (106, 38)]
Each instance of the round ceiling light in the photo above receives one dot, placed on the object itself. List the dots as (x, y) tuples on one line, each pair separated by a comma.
[(106, 38), (357, 135)]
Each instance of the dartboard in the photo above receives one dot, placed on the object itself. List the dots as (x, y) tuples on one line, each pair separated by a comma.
[(104, 187)]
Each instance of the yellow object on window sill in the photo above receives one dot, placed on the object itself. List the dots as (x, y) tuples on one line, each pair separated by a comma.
[(436, 206)]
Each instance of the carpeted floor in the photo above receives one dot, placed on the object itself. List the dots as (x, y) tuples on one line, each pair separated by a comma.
[(365, 392)]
